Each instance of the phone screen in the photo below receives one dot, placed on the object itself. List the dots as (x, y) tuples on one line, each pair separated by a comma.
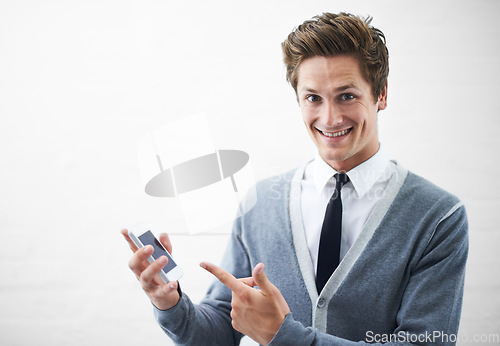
[(149, 239)]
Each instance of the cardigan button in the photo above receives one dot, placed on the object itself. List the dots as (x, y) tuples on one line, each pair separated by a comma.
[(321, 303)]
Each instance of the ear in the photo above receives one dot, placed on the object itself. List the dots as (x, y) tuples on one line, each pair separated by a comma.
[(382, 98)]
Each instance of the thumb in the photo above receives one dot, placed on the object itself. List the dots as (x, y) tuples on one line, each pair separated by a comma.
[(261, 279)]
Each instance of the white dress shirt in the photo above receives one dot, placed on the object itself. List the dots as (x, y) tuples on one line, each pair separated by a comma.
[(366, 186)]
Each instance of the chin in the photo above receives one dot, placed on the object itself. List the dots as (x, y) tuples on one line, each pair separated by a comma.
[(334, 157)]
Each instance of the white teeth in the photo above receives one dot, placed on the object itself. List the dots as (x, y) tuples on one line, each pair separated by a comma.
[(335, 134)]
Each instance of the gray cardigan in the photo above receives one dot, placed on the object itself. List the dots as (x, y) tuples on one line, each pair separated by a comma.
[(401, 281)]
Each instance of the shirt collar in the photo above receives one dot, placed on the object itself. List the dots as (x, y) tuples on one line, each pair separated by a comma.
[(362, 177)]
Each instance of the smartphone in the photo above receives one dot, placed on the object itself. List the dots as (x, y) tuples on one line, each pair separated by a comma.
[(141, 235)]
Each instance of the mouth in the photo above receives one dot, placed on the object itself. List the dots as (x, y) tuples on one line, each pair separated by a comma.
[(335, 134)]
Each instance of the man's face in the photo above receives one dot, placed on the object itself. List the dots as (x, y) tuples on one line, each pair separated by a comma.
[(339, 110)]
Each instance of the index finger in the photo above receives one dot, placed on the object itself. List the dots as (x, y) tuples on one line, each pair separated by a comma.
[(225, 277), (133, 247)]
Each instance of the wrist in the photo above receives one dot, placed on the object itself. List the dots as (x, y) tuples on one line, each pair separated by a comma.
[(169, 300), (163, 305)]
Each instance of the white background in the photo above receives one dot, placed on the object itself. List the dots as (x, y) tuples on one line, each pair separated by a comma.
[(82, 81)]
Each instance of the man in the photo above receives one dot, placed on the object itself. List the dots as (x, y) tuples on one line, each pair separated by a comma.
[(394, 270)]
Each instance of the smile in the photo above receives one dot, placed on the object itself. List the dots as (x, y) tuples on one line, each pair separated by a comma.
[(335, 134)]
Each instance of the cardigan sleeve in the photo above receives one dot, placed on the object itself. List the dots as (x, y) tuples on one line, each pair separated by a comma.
[(431, 305), (208, 323)]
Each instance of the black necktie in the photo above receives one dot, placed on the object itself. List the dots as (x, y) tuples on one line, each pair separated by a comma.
[(331, 231)]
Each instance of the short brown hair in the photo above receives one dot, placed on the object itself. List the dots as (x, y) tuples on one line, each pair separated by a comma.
[(339, 34)]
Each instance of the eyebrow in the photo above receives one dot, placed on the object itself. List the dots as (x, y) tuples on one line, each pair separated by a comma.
[(347, 86), (309, 90), (338, 89)]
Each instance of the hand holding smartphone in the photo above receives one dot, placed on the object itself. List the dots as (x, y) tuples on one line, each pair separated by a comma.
[(141, 235)]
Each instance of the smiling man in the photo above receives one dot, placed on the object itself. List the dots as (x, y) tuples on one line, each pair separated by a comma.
[(351, 247)]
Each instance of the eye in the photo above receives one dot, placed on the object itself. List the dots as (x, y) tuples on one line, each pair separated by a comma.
[(346, 97), (313, 98)]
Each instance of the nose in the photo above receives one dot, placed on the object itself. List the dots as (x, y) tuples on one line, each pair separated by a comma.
[(331, 114)]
